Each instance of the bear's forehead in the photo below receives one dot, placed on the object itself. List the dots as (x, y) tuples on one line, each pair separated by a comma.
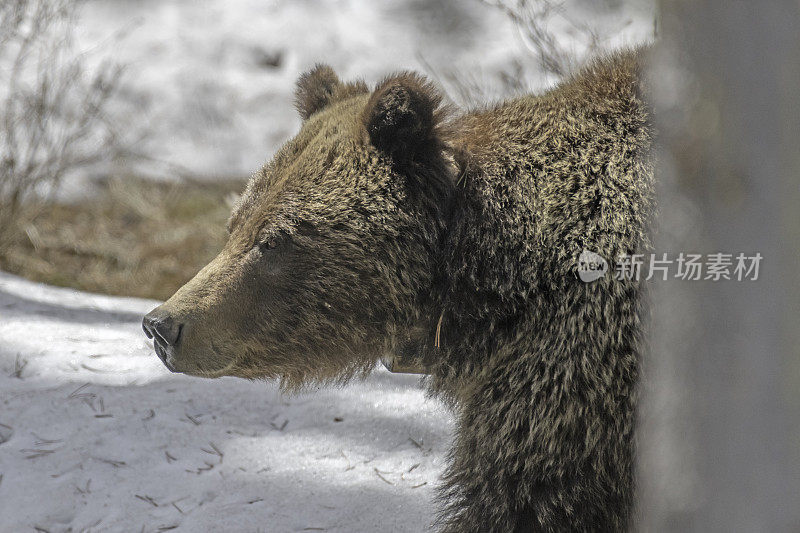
[(315, 172)]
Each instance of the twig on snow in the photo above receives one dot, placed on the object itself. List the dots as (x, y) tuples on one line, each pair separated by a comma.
[(281, 427), (19, 366), (214, 451), (147, 499), (192, 419), (35, 453), (112, 462), (40, 441), (377, 473)]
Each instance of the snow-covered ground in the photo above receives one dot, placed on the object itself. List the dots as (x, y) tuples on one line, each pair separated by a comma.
[(96, 435)]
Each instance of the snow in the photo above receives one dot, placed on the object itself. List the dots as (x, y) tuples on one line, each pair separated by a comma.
[(208, 89), (96, 435)]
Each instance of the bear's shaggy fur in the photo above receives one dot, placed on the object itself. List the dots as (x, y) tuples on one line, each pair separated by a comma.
[(543, 366), (390, 226)]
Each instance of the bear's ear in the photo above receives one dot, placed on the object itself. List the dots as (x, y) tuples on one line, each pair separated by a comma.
[(315, 90), (402, 114)]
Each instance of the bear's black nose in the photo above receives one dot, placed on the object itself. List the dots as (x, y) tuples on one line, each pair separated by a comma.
[(163, 327)]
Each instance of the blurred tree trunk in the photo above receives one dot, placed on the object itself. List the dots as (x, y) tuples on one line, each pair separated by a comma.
[(719, 441)]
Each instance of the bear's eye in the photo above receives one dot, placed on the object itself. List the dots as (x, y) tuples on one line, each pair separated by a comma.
[(271, 242)]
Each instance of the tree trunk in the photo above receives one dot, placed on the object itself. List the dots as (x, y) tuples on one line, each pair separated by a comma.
[(719, 438)]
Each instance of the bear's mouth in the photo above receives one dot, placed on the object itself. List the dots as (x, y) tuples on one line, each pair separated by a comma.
[(168, 356), (211, 374), (214, 353), (165, 354)]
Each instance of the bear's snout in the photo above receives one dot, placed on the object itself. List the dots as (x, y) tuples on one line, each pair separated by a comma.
[(165, 332)]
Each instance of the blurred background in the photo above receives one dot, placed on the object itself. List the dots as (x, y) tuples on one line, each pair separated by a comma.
[(127, 128)]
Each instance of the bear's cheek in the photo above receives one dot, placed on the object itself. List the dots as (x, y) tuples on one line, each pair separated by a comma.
[(255, 320)]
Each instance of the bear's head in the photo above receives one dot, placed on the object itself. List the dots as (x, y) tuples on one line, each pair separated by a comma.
[(333, 245)]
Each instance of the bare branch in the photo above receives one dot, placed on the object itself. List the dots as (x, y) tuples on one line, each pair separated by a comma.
[(53, 120)]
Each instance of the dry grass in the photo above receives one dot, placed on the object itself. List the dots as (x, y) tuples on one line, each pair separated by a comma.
[(135, 238)]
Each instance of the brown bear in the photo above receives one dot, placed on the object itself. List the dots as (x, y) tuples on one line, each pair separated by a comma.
[(393, 227)]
